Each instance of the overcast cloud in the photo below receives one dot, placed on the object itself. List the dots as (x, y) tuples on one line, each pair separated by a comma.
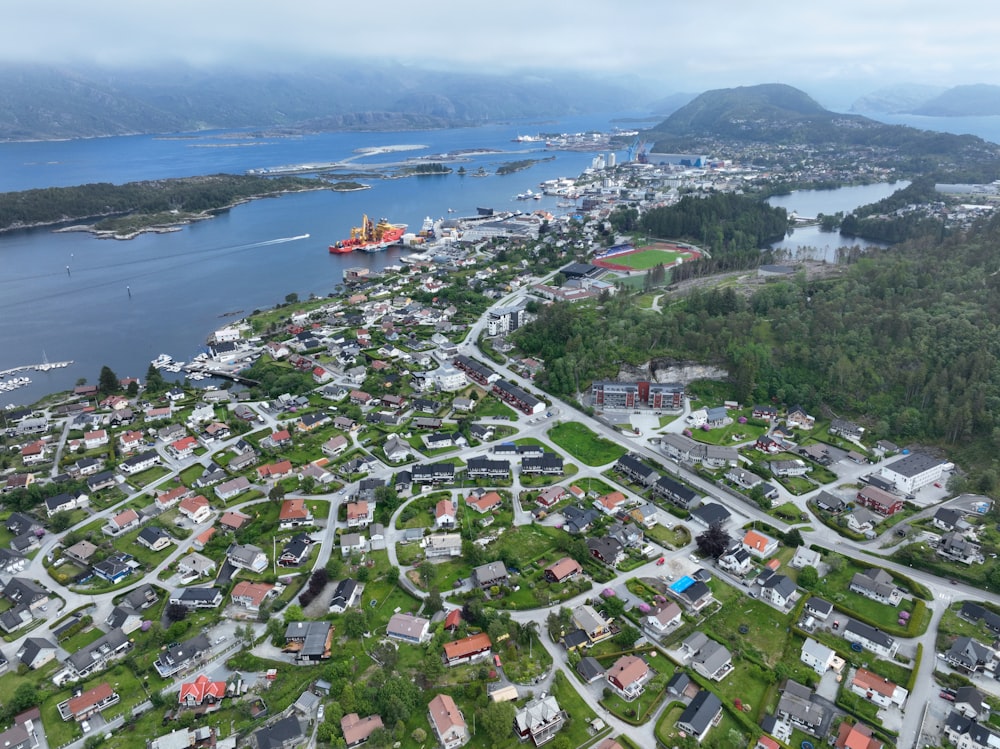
[(688, 44)]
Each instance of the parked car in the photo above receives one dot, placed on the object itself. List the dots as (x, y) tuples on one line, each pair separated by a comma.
[(660, 561)]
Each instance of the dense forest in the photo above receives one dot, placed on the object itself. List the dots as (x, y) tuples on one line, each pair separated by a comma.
[(189, 195), (906, 340), (890, 220)]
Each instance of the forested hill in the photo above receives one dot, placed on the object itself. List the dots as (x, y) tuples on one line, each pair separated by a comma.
[(907, 340), (783, 115)]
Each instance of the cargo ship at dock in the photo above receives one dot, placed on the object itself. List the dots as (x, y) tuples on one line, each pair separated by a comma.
[(369, 237)]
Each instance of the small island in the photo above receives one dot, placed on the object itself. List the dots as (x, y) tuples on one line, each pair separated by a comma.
[(124, 211)]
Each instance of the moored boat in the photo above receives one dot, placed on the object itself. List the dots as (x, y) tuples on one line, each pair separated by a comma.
[(369, 237)]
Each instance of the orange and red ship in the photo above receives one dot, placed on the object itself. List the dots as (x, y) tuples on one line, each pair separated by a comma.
[(369, 237)]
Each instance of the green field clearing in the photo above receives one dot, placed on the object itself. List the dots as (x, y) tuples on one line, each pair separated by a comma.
[(645, 259), (584, 445)]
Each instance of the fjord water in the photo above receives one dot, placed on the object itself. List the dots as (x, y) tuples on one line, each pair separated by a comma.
[(70, 296), (182, 282)]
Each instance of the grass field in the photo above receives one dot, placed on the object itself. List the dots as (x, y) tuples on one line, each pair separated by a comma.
[(584, 445), (645, 259)]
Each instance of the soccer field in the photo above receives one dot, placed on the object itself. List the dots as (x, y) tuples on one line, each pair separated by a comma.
[(645, 259)]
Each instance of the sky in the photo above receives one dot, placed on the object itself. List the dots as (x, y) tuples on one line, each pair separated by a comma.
[(688, 46)]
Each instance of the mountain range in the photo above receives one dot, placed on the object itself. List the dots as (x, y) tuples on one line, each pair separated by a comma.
[(977, 100), (46, 102), (781, 115)]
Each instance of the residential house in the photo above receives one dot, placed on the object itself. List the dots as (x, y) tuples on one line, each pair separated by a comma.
[(973, 612), (408, 628), (968, 733), (443, 545), (565, 569), (275, 471), (712, 660), (876, 584), (710, 514), (433, 473), (805, 557), (88, 703), (346, 594), (357, 729), (950, 519), (445, 513), (703, 712), (294, 512), (196, 509), (309, 641), (878, 689), (788, 468), (609, 504), (197, 598), (608, 550), (247, 557), (284, 734), (65, 503), (797, 707), (579, 519), (488, 575), (628, 676), (957, 548), (880, 501), (35, 652), (95, 657), (484, 467), (971, 703), (539, 720), (353, 543), (818, 656), (250, 595), (636, 470), (201, 691), (125, 618), (195, 565), (779, 590), (483, 502), (646, 515), (468, 650), (870, 638), (295, 551), (335, 445), (593, 626), (759, 544), (448, 722), (966, 654), (547, 464), (229, 489), (232, 520), (396, 449), (550, 495), (154, 538), (360, 514), (855, 736), (81, 552), (122, 522), (736, 561), (664, 618)]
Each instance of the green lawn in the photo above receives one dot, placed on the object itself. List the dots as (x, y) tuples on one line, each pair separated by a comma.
[(646, 259), (672, 538), (490, 406), (584, 445)]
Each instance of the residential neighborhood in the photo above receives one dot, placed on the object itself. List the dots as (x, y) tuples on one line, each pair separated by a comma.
[(408, 538)]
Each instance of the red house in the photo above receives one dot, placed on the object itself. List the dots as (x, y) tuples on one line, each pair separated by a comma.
[(880, 501)]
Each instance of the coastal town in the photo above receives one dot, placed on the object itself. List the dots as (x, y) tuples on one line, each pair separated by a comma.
[(369, 525)]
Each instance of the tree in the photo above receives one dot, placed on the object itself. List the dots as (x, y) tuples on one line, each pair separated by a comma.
[(60, 521), (433, 603), (714, 542), (427, 571), (627, 636), (496, 720), (175, 612), (277, 493), (794, 538), (354, 623), (25, 696), (292, 298), (132, 390), (808, 577), (154, 381), (756, 493), (108, 381)]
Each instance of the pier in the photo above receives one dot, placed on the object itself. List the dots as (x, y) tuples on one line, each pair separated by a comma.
[(7, 385)]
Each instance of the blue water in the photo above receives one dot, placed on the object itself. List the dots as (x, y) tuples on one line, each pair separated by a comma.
[(182, 282), (682, 584)]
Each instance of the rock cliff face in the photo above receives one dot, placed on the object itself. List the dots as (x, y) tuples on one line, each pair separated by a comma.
[(668, 370)]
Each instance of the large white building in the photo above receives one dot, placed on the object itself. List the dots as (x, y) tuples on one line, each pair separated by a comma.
[(914, 471), (504, 320)]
